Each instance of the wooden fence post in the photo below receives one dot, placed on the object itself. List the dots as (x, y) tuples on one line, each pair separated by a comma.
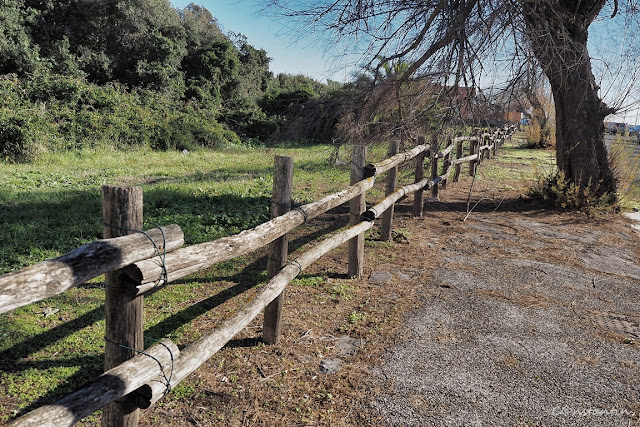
[(486, 140), (446, 164), (459, 155), (392, 176), (279, 248), (121, 215), (357, 207), (418, 204), (473, 149), (434, 165)]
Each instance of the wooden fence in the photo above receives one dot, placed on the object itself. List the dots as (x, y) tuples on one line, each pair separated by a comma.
[(135, 262)]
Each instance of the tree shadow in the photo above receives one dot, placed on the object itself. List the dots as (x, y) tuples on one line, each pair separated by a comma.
[(461, 206), (60, 221)]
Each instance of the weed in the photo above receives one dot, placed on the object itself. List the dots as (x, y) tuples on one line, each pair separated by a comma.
[(314, 280), (357, 316), (184, 390), (342, 291)]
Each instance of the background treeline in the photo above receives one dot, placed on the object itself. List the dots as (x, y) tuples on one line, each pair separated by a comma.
[(125, 73)]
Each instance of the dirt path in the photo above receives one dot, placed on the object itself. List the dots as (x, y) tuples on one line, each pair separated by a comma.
[(531, 317), (510, 315)]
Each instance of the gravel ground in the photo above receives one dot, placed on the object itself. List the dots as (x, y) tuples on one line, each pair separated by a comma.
[(529, 320)]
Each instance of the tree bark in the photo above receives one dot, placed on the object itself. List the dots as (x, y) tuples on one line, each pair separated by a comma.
[(558, 34)]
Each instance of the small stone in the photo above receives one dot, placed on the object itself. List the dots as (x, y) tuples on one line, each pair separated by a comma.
[(408, 273), (330, 366), (348, 346), (185, 151), (380, 277), (49, 311)]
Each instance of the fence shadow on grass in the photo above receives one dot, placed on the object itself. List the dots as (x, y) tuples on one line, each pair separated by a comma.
[(245, 279)]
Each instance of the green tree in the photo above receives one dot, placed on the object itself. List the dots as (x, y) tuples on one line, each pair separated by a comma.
[(136, 42), (18, 53), (211, 63)]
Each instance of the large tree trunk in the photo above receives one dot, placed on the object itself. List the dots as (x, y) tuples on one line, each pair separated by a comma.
[(558, 34), (580, 150)]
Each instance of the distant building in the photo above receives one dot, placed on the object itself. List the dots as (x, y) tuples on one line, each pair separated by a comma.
[(513, 115)]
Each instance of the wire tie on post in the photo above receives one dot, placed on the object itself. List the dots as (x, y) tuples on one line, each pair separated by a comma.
[(284, 263), (302, 211), (295, 263), (162, 255), (164, 375)]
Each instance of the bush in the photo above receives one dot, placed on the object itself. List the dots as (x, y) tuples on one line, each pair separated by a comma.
[(556, 190), (66, 113), (14, 145)]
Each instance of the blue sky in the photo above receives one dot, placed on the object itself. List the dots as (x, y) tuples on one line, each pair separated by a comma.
[(296, 53), (290, 52)]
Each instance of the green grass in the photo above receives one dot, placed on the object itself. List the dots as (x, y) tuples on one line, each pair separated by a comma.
[(51, 206), (508, 165)]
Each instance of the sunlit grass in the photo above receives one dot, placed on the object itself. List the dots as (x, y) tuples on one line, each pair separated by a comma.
[(51, 206)]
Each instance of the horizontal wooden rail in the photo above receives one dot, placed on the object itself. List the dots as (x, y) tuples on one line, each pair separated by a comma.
[(465, 159), (146, 275), (374, 169), (125, 378), (52, 277), (465, 138), (377, 210), (444, 152), (200, 351)]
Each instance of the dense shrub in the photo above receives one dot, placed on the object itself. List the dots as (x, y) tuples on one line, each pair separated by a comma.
[(13, 139), (53, 112), (557, 191), (131, 74)]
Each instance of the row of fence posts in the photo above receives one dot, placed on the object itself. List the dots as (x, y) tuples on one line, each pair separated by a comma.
[(123, 214)]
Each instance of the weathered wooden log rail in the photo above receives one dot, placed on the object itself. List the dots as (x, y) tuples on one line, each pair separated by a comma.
[(136, 263)]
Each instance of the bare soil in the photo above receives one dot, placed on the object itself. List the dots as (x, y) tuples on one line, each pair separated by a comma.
[(532, 317), (508, 314)]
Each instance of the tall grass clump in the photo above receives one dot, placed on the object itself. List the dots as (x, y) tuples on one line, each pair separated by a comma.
[(540, 136), (559, 192), (626, 169)]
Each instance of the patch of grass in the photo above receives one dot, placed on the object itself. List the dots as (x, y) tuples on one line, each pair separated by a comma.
[(342, 290), (313, 280), (625, 165), (507, 167), (53, 205)]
